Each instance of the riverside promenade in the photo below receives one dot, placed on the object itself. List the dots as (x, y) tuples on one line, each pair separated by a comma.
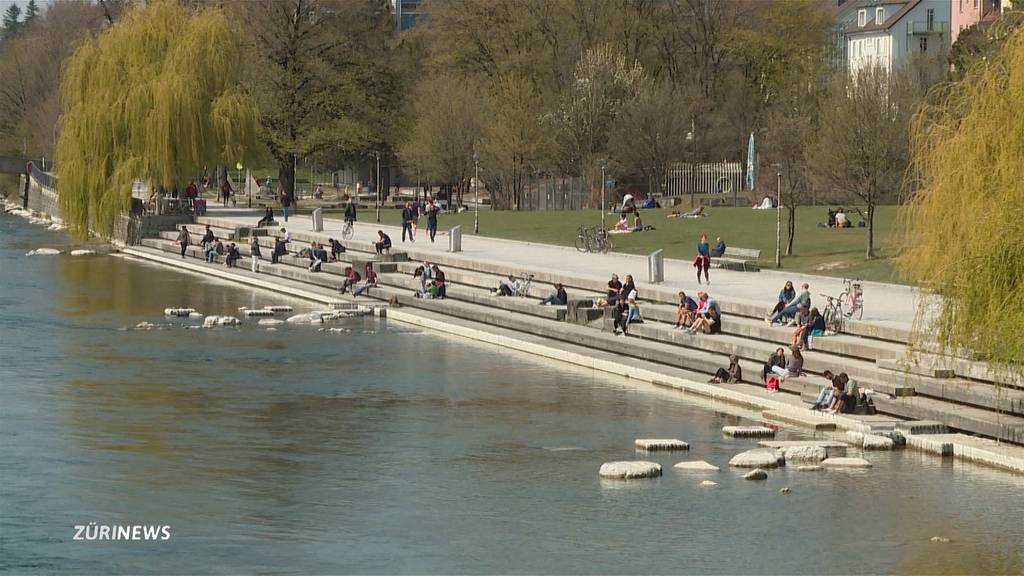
[(888, 305), (917, 403)]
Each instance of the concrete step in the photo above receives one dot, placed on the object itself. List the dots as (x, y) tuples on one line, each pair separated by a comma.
[(974, 420)]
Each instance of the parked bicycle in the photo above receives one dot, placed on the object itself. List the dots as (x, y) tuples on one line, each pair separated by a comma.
[(848, 304), (595, 239)]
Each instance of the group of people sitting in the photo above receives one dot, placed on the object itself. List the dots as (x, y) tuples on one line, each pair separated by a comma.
[(795, 310), (352, 278), (840, 395), (432, 281), (838, 219), (778, 368), (622, 296), (623, 226), (701, 315)]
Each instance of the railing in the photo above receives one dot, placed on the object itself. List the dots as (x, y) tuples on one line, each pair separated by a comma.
[(716, 178), (922, 27)]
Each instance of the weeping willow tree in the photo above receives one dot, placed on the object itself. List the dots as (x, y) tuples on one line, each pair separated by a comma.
[(964, 219), (155, 96)]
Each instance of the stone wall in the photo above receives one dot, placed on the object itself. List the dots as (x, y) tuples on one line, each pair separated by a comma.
[(128, 229)]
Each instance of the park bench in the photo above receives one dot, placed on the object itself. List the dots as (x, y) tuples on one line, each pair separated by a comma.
[(744, 259)]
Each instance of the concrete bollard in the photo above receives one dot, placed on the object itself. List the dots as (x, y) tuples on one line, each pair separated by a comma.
[(656, 267), (318, 220), (455, 239)]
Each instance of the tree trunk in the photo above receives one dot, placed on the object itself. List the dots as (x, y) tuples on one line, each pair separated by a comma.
[(871, 231), (286, 173), (790, 226)]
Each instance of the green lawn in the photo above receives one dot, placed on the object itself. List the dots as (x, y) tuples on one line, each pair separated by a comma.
[(816, 250)]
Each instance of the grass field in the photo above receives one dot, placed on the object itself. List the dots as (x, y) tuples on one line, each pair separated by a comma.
[(816, 250)]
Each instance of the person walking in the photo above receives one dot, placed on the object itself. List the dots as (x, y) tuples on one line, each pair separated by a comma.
[(408, 218), (254, 250), (184, 240), (350, 210), (286, 203), (431, 210), (225, 192), (703, 259)]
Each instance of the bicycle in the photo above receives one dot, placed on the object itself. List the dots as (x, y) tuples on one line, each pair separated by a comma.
[(833, 314), (347, 230), (593, 239), (852, 298)]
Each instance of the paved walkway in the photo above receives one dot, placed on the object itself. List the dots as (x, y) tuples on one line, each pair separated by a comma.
[(888, 304)]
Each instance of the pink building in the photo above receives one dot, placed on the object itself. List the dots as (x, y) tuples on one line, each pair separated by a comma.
[(966, 13)]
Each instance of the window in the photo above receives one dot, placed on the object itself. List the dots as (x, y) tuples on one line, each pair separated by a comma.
[(923, 42), (931, 19), (961, 6), (879, 15), (878, 46), (862, 18)]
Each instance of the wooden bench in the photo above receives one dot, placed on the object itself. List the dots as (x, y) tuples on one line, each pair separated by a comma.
[(744, 259)]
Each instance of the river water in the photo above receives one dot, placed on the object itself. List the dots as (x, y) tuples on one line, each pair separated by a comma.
[(385, 450)]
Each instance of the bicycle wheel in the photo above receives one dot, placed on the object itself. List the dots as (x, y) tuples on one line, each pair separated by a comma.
[(860, 308), (833, 319), (607, 245), (347, 230), (581, 243)]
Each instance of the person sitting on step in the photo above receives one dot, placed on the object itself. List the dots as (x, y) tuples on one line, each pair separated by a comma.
[(621, 321), (710, 321), (371, 280), (351, 278), (213, 249), (232, 256), (778, 358), (824, 398), (268, 218), (383, 243), (686, 312), (794, 366), (557, 298), (336, 249), (730, 375), (314, 257)]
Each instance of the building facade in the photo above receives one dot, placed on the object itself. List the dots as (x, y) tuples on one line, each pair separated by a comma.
[(891, 33), (407, 12)]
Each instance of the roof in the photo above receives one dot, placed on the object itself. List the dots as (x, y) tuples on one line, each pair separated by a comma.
[(908, 5)]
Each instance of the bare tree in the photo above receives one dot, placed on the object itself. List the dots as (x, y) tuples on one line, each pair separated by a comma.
[(861, 147)]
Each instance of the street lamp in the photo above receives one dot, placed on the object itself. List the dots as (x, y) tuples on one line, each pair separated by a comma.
[(476, 192), (376, 187), (778, 221), (603, 166)]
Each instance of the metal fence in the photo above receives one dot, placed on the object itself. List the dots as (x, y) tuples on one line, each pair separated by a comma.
[(554, 193), (715, 178)]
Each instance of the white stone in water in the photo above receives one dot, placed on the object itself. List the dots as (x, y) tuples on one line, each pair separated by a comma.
[(625, 469), (278, 308), (696, 466), (756, 474), (43, 252), (194, 315), (270, 322), (145, 326), (939, 539), (809, 468), (211, 321), (338, 330), (846, 463), (708, 484), (876, 442), (248, 312), (806, 453), (660, 444), (271, 329), (748, 431), (758, 458), (785, 490), (854, 437), (82, 252), (180, 312), (304, 318), (55, 227)]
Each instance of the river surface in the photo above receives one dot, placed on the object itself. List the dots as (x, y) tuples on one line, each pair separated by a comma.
[(381, 449)]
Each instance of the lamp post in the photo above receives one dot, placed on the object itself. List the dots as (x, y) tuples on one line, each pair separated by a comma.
[(476, 192), (603, 166), (376, 187), (778, 221)]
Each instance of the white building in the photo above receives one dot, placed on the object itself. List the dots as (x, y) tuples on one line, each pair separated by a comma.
[(890, 33)]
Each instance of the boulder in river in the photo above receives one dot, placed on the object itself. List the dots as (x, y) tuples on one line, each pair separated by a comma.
[(806, 453), (82, 252), (846, 463), (696, 466), (211, 321), (756, 474), (758, 458), (43, 252), (626, 469)]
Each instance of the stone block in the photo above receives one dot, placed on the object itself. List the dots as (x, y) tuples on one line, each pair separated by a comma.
[(912, 427), (696, 466), (806, 453), (661, 444), (758, 458), (626, 469), (877, 442), (749, 431), (846, 463)]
